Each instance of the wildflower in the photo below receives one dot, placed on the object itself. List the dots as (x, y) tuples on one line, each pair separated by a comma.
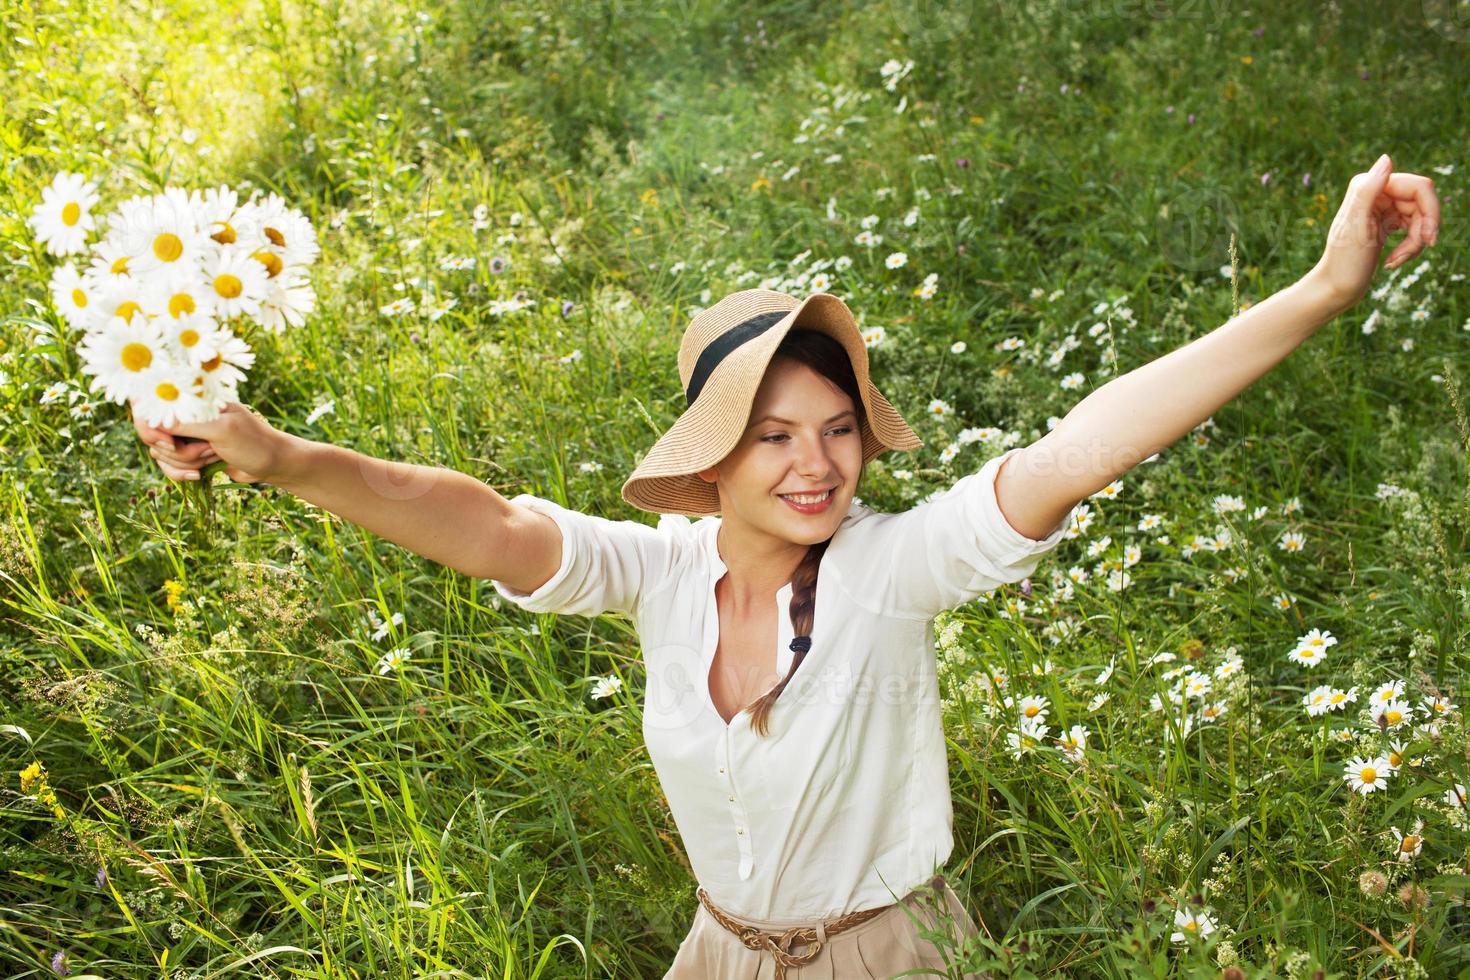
[(1191, 924), (566, 307), (325, 408), (498, 264), (896, 260), (1393, 714), (1291, 541), (398, 307), (606, 686), (1372, 883), (64, 216), (1073, 742), (958, 347), (1073, 380), (939, 408), (1391, 691), (873, 336), (174, 590), (1315, 700), (867, 239), (1367, 775), (1408, 846), (393, 659)]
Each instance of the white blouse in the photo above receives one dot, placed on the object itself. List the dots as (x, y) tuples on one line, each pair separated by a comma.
[(845, 803)]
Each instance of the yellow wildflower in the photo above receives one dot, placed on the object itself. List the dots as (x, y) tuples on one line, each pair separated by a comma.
[(1246, 59), (650, 197), (174, 590), (977, 120), (760, 184), (29, 775)]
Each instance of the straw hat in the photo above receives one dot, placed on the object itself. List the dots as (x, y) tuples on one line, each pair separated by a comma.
[(721, 362)]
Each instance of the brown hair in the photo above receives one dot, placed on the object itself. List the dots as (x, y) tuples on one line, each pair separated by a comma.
[(825, 355)]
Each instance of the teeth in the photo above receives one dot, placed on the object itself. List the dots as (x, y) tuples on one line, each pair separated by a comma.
[(807, 498)]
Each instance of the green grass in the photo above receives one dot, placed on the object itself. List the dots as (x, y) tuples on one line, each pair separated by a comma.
[(266, 803)]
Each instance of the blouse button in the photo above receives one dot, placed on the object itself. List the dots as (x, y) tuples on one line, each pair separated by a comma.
[(722, 770), (739, 830), (732, 799)]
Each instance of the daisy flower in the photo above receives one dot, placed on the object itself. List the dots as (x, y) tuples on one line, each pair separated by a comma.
[(1292, 541), (393, 659), (1191, 924), (940, 408), (72, 296), (162, 235), (118, 355), (325, 408), (1031, 708), (225, 370), (1408, 846), (64, 216), (109, 264), (606, 686), (896, 260), (1367, 775), (1316, 700), (398, 307), (1338, 698), (167, 395), (1391, 691), (1393, 714), (1321, 639), (1073, 742), (868, 240), (179, 293), (1306, 656), (287, 302), (237, 281), (221, 217), (195, 334)]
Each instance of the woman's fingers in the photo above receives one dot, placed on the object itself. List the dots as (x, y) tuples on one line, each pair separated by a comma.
[(177, 468), (189, 452)]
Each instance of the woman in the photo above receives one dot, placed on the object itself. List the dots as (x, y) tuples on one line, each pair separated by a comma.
[(791, 708)]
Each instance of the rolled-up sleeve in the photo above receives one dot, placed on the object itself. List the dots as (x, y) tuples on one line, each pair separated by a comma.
[(605, 564), (944, 551)]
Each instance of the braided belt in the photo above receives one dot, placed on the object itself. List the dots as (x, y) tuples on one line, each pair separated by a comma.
[(779, 944)]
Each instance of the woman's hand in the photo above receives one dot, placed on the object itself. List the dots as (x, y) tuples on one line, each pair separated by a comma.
[(240, 437), (1378, 202)]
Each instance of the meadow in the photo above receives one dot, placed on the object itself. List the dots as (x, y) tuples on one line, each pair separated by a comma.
[(267, 743)]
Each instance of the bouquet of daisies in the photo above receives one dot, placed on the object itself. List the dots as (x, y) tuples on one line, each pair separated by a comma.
[(165, 281)]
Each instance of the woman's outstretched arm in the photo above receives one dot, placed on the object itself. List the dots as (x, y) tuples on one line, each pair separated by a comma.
[(444, 515), (1139, 413)]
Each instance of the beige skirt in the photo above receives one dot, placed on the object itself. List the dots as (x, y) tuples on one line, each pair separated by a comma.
[(881, 947)]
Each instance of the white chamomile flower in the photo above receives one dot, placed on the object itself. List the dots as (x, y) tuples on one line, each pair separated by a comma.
[(73, 296), (1191, 925), (167, 395), (64, 216), (195, 334), (221, 217), (287, 302), (237, 281), (606, 686), (1391, 691), (163, 236), (1073, 742), (325, 408), (940, 408), (119, 355), (226, 369), (1408, 846), (393, 659), (178, 293), (1367, 775), (896, 260)]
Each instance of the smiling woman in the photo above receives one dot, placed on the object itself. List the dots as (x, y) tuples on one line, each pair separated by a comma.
[(791, 707)]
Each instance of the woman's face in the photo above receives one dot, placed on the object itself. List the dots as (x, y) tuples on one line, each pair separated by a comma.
[(802, 437)]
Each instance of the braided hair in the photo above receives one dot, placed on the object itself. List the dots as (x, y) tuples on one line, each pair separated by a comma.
[(825, 355)]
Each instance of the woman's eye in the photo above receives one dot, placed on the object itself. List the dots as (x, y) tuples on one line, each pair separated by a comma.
[(841, 430)]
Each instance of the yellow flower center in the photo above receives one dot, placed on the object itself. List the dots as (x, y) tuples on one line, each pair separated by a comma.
[(168, 247), (135, 357), (127, 309), (228, 286), (212, 363), (188, 337), (1396, 758), (71, 213), (1368, 775), (1394, 716), (270, 260), (1410, 843), (1337, 697), (1031, 710), (119, 265), (166, 391), (277, 239), (78, 298), (180, 304), (225, 235), (1192, 926)]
